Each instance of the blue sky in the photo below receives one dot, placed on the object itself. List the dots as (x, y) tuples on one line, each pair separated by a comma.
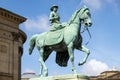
[(105, 42)]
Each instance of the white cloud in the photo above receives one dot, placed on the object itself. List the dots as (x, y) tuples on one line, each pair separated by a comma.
[(38, 24), (98, 4), (94, 67), (94, 4), (29, 71)]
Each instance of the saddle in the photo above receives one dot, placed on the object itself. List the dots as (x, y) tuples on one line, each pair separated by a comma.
[(54, 37)]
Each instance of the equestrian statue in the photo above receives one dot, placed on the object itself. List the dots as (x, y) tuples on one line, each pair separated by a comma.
[(62, 38)]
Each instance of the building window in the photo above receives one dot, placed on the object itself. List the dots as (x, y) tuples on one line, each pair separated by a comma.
[(3, 49)]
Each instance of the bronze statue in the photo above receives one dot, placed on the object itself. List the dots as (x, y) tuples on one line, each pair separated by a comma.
[(63, 41), (54, 19)]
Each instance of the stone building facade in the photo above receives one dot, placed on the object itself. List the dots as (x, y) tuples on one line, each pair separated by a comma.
[(107, 75), (11, 45)]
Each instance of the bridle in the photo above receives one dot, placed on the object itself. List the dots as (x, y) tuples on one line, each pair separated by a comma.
[(86, 28)]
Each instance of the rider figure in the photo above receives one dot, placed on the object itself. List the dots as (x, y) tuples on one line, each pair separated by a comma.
[(54, 19)]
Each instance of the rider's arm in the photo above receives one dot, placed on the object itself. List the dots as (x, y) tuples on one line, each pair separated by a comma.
[(54, 16)]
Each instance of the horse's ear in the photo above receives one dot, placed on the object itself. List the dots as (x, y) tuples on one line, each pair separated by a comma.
[(85, 6)]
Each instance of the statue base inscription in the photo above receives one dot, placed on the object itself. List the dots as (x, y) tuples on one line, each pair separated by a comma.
[(63, 77)]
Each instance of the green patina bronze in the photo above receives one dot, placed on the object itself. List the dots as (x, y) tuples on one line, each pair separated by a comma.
[(62, 40), (55, 19)]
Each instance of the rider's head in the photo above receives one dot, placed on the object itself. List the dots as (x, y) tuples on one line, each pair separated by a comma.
[(54, 8)]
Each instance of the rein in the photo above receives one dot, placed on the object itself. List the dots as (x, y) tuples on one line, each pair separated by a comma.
[(89, 36), (86, 28)]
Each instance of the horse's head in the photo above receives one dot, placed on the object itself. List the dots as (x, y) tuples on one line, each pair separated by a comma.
[(85, 16)]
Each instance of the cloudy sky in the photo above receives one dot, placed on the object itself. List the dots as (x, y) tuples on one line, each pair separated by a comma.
[(104, 45)]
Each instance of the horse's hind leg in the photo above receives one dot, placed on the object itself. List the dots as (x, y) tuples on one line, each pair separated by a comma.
[(41, 68), (87, 51), (42, 62)]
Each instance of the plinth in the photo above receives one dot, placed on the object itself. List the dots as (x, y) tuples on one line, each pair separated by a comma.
[(63, 77)]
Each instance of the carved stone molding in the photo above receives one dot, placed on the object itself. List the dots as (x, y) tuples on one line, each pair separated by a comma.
[(15, 36), (11, 16), (5, 34)]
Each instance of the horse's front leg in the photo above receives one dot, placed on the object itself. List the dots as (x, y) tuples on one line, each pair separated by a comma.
[(42, 62), (71, 54), (87, 51)]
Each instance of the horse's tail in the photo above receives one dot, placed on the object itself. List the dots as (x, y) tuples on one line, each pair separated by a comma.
[(32, 43)]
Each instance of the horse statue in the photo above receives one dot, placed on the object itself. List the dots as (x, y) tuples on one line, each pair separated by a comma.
[(63, 41)]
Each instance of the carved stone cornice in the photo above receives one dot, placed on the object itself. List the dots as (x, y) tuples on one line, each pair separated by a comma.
[(11, 16)]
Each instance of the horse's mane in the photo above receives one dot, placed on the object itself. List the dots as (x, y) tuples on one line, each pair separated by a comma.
[(73, 16)]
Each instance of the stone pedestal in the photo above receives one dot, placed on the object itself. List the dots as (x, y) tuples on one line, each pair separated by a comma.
[(63, 77)]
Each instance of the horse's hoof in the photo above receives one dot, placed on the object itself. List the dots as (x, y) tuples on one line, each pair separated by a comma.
[(41, 75), (46, 75), (78, 64), (75, 72), (81, 63)]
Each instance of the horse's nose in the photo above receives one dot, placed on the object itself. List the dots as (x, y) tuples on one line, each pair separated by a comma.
[(90, 24), (86, 24)]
